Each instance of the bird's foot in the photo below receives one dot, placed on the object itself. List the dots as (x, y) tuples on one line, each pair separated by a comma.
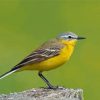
[(54, 87)]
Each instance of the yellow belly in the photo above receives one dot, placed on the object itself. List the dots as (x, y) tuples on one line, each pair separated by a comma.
[(52, 62)]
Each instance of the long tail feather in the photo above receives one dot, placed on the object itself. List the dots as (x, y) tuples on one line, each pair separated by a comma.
[(7, 73)]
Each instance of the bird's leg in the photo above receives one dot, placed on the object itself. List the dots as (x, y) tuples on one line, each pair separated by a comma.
[(46, 81)]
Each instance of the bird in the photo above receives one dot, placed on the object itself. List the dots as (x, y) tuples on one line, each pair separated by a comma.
[(50, 55)]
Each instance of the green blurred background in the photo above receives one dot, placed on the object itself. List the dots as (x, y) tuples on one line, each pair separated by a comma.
[(25, 24)]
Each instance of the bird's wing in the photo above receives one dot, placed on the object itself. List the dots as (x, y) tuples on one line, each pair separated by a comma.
[(40, 55)]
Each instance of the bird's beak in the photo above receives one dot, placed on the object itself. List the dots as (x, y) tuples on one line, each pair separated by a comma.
[(79, 38)]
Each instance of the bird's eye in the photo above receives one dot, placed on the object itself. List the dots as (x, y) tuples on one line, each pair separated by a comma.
[(69, 37)]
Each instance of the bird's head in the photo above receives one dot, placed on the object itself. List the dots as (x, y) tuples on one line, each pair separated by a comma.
[(69, 38)]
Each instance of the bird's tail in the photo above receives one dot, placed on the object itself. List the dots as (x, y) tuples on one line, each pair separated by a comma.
[(7, 73)]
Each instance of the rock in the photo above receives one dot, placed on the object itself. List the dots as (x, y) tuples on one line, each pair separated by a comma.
[(45, 94)]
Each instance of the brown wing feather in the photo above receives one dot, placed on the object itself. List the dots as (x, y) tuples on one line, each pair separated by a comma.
[(41, 54)]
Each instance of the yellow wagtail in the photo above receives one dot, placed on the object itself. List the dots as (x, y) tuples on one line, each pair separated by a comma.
[(50, 55)]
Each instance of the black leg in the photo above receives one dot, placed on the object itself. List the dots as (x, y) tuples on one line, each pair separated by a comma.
[(46, 81)]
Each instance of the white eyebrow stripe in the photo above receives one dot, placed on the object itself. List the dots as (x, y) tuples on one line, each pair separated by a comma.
[(63, 36)]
